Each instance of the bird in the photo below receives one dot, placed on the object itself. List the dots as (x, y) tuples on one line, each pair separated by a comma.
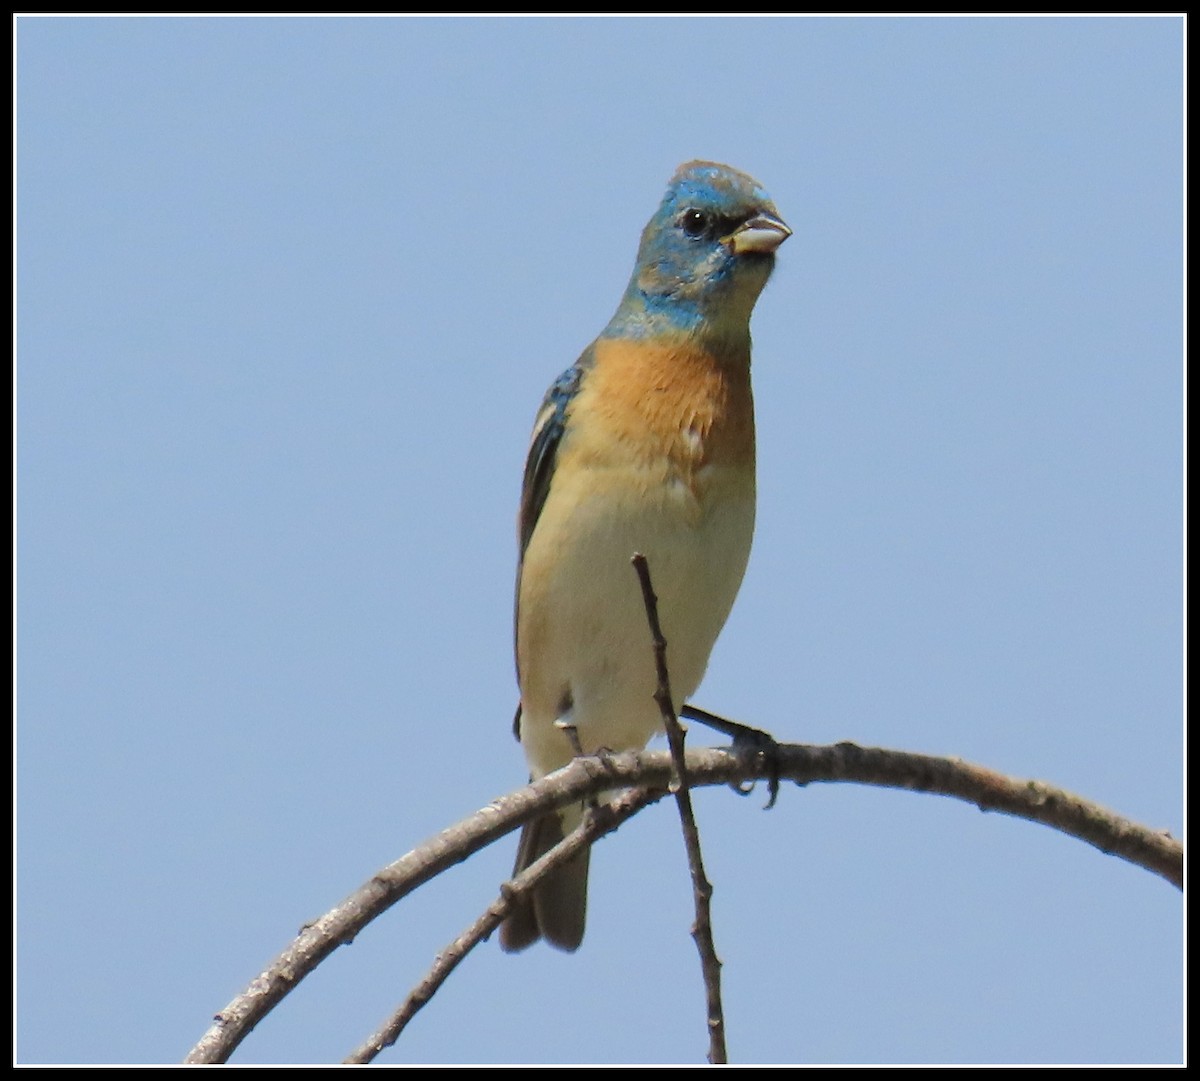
[(644, 445)]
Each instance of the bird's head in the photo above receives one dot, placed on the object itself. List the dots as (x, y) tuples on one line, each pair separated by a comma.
[(704, 257)]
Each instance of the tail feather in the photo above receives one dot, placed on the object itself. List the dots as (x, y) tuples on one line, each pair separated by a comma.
[(557, 908)]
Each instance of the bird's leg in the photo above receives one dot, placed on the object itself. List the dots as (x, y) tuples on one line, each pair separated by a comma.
[(567, 728), (745, 740)]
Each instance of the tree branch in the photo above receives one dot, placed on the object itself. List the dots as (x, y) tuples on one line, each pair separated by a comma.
[(990, 791), (702, 935), (600, 820)]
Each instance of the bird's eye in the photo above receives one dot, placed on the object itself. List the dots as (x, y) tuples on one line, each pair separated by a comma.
[(694, 222)]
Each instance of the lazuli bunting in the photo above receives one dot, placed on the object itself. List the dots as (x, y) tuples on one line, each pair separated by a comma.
[(645, 444)]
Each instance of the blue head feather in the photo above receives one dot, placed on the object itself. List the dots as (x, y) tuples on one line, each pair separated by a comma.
[(704, 257)]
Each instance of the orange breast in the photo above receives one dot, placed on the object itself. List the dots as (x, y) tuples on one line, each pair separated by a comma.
[(667, 404)]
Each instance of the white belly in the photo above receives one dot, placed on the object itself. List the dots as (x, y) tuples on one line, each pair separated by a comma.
[(585, 651)]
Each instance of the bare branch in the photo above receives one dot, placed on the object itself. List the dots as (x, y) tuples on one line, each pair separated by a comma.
[(339, 926), (710, 963), (990, 791), (600, 820)]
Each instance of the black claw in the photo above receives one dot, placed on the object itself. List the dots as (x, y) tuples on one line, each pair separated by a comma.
[(745, 740)]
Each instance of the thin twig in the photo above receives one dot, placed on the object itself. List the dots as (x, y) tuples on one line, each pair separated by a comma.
[(702, 934), (1154, 850), (599, 821)]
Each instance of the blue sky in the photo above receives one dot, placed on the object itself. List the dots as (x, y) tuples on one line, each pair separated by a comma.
[(288, 294)]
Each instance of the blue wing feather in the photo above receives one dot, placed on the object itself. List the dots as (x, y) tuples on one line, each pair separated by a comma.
[(543, 447), (548, 435)]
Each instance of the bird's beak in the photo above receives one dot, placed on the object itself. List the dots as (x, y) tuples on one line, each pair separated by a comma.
[(763, 233)]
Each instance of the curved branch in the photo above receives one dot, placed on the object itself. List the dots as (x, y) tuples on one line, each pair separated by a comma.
[(990, 791), (598, 822)]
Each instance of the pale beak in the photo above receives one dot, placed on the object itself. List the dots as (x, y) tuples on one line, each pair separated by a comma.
[(763, 233)]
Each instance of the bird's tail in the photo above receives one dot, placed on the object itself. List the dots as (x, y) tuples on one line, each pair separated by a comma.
[(557, 908)]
